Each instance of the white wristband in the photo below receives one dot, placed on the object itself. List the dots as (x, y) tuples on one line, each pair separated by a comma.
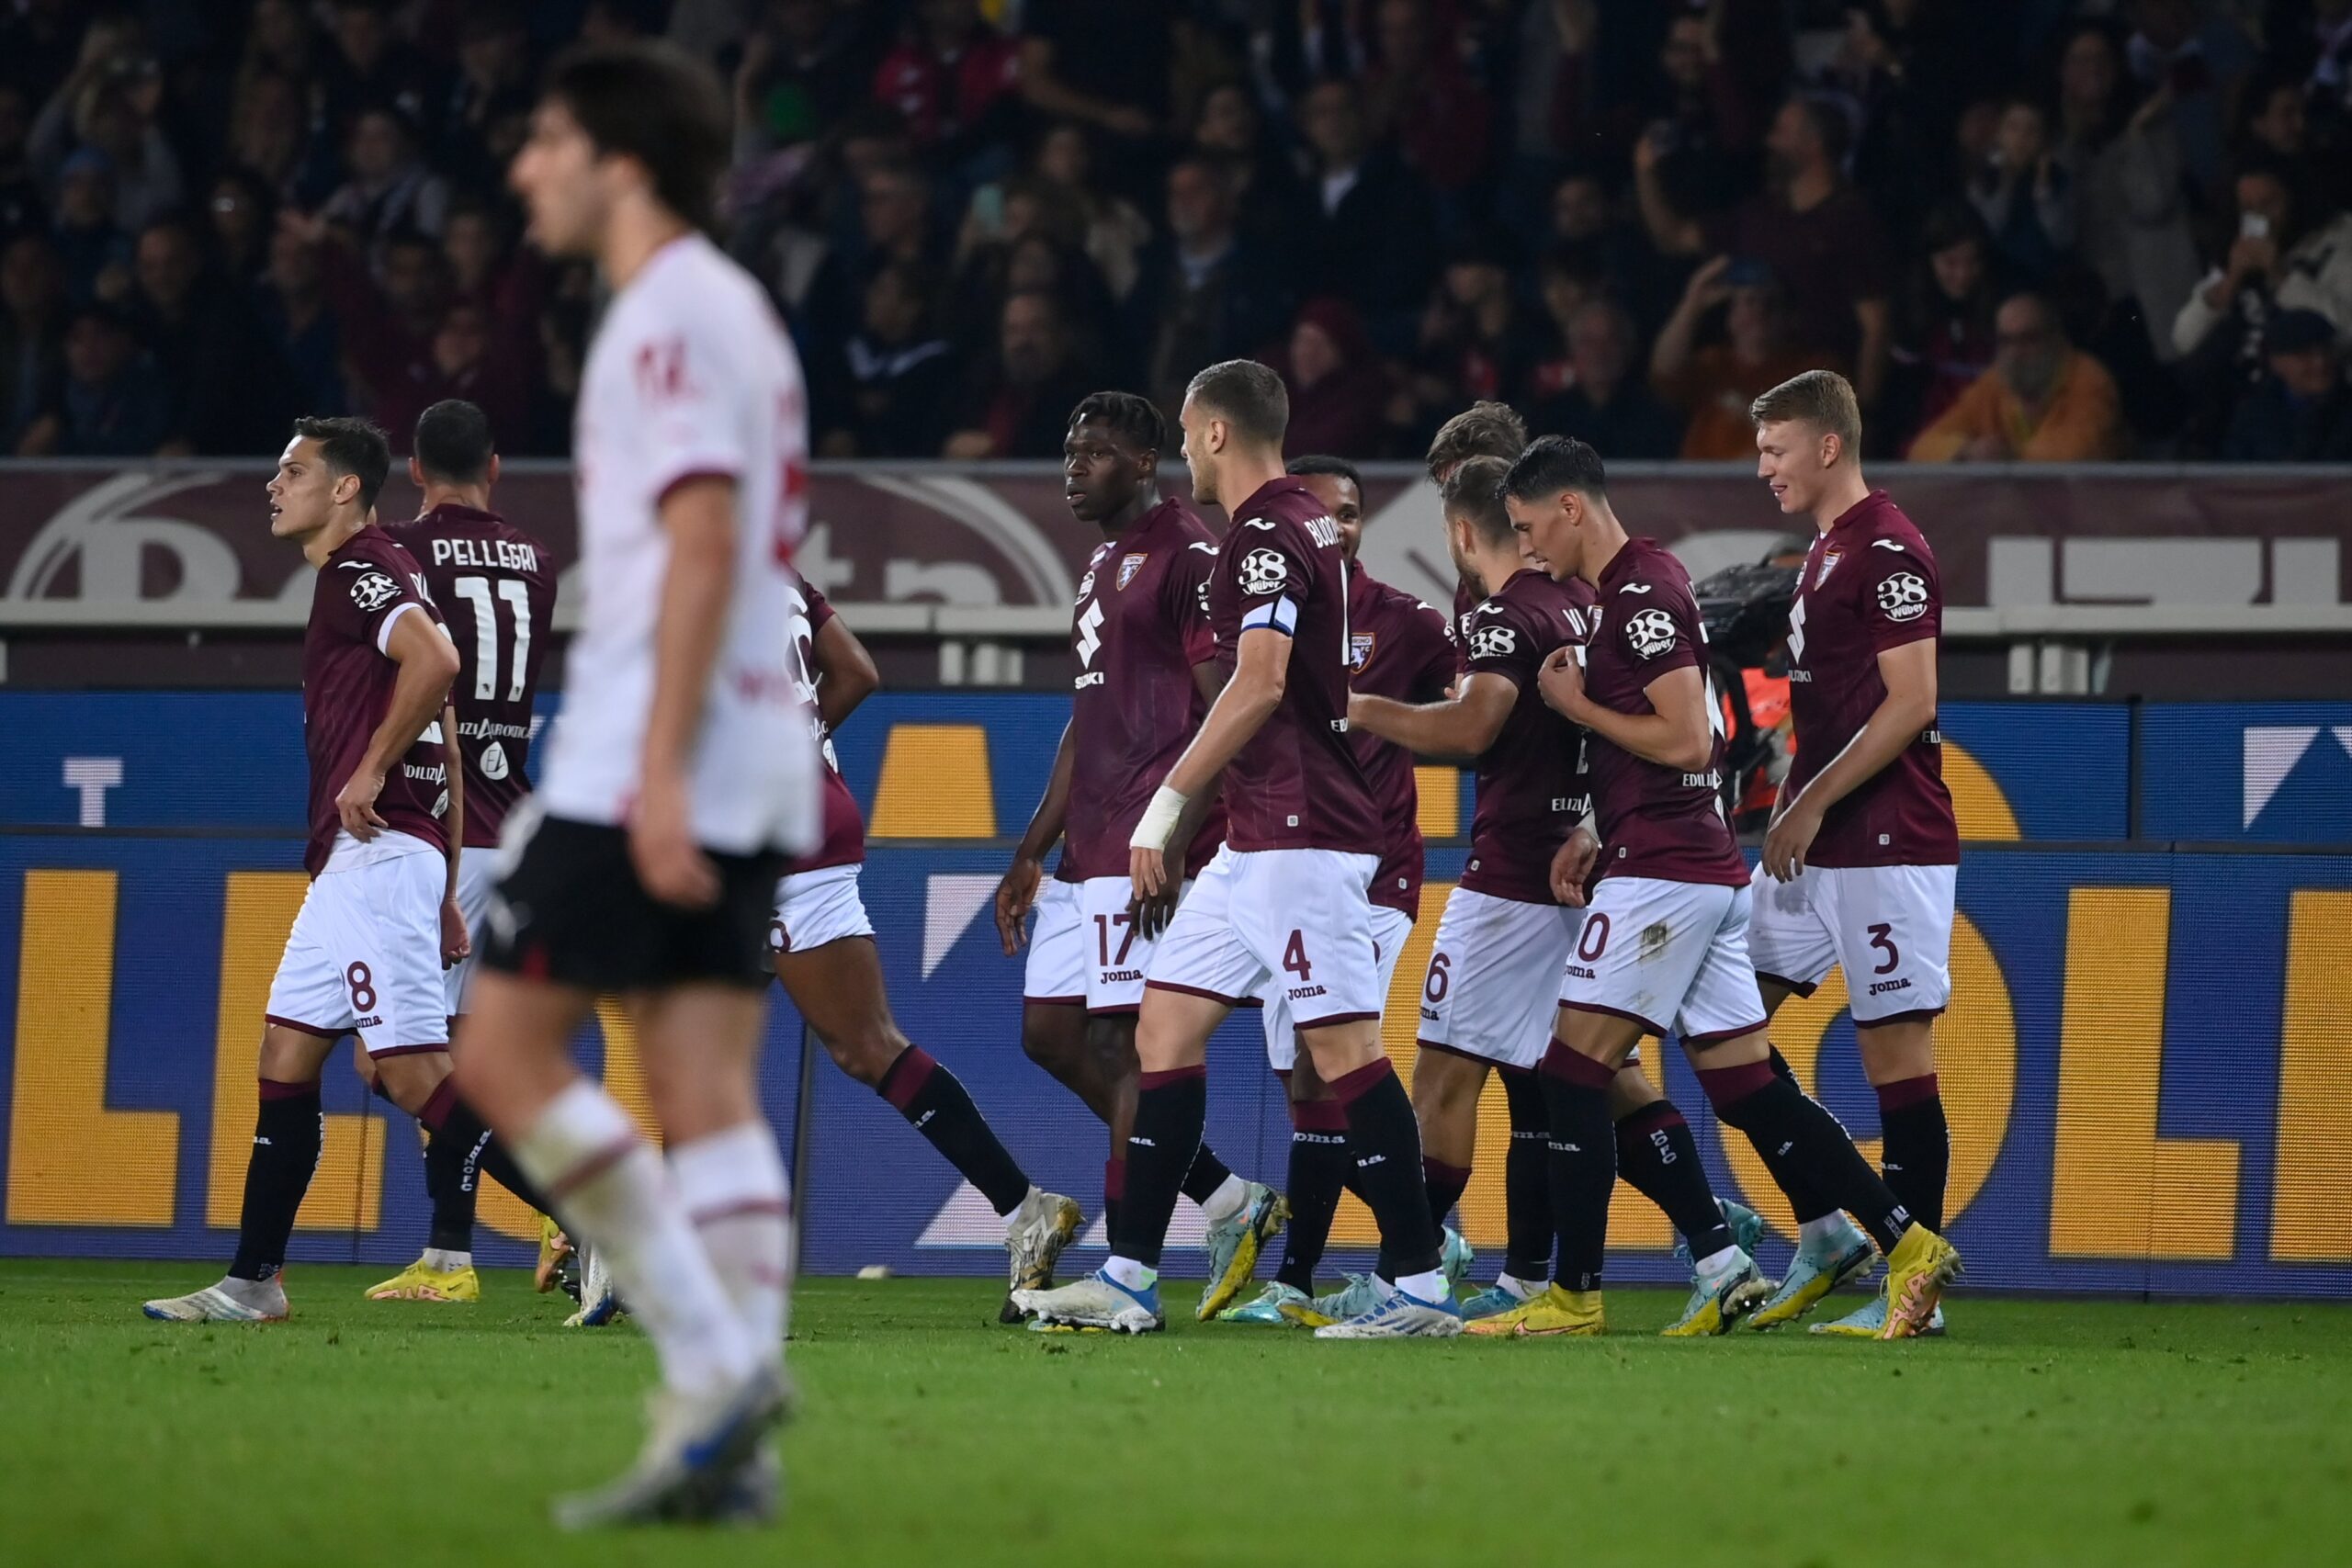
[(1158, 820)]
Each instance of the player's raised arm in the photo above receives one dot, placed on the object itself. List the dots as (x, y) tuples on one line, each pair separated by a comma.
[(698, 515), (428, 662), (1677, 733), (1463, 726)]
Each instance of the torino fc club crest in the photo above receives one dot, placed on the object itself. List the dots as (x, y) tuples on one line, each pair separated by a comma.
[(1360, 647), (1128, 567), (1829, 562), (1904, 597), (1263, 572), (372, 591), (1493, 642), (1651, 633)]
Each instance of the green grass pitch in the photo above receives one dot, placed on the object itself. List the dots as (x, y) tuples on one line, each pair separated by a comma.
[(359, 1433)]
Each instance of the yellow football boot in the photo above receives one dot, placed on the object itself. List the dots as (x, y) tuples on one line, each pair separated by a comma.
[(419, 1282), (554, 1246), (1557, 1312), (1919, 1269)]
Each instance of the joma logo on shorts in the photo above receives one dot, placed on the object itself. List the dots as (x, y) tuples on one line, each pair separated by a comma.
[(1121, 977), (1880, 987), (1300, 993), (1579, 971), (368, 1023)]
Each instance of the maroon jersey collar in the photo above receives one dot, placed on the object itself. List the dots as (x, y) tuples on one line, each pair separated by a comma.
[(1861, 511), (373, 533), (1283, 484), (1626, 562), (457, 512)]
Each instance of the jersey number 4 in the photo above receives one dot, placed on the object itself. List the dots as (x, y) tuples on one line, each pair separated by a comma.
[(516, 596)]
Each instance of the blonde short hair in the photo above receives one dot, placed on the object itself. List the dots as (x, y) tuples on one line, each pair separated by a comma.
[(1822, 399)]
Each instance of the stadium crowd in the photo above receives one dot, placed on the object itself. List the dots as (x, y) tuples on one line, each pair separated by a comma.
[(2036, 229)]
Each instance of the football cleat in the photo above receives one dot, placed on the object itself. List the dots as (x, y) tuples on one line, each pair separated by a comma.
[(1495, 1298), (698, 1447), (1400, 1316), (1268, 1308), (1719, 1301), (421, 1282), (600, 1299), (1747, 1226), (1234, 1246), (1033, 1238), (1358, 1296), (1919, 1269), (1555, 1313), (554, 1246), (1454, 1260), (230, 1301), (1868, 1322), (1097, 1301), (753, 1496), (1818, 1268)]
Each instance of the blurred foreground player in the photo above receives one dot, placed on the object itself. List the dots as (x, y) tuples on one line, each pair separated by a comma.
[(1289, 894), (1664, 943), (379, 923), (1146, 672), (1861, 858), (823, 950), (494, 587), (680, 778)]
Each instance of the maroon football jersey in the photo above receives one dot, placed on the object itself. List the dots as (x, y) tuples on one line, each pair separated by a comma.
[(844, 840), (1869, 584), (1656, 821), (1531, 785), (348, 682), (1140, 625), (495, 586), (1465, 601), (1398, 648), (1296, 785)]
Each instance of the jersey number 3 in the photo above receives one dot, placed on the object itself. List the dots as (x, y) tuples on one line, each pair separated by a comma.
[(517, 593)]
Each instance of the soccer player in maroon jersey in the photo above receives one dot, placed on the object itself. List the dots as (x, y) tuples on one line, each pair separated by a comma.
[(1289, 894), (380, 922), (821, 945), (1146, 672), (1401, 647), (1861, 859), (494, 587), (1665, 937), (1509, 928)]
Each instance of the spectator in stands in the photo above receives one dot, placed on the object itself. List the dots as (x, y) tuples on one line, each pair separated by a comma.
[(2301, 412), (269, 134), (2199, 61), (1472, 347), (1809, 227), (37, 44), (1713, 386), (32, 334), (2025, 196), (1565, 285), (889, 392), (1115, 233), (291, 304), (1270, 202), (2042, 401), (230, 394), (1701, 115), (1104, 64), (112, 401), (1209, 295), (2133, 204), (1020, 403), (1943, 325), (2331, 77), (22, 209), (893, 224), (805, 67), (1608, 403), (96, 253), (372, 67), (239, 215), (1374, 239), (492, 85), (111, 103), (957, 81), (1338, 391), (1588, 234), (1418, 95), (390, 190)]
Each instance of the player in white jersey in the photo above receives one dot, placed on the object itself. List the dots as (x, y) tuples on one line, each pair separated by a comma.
[(681, 777)]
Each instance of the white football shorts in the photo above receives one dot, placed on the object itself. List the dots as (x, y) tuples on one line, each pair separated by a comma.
[(1493, 987), (1888, 925), (1389, 930), (1302, 917), (365, 954), (817, 908), (1667, 955), (477, 877), (1056, 974)]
